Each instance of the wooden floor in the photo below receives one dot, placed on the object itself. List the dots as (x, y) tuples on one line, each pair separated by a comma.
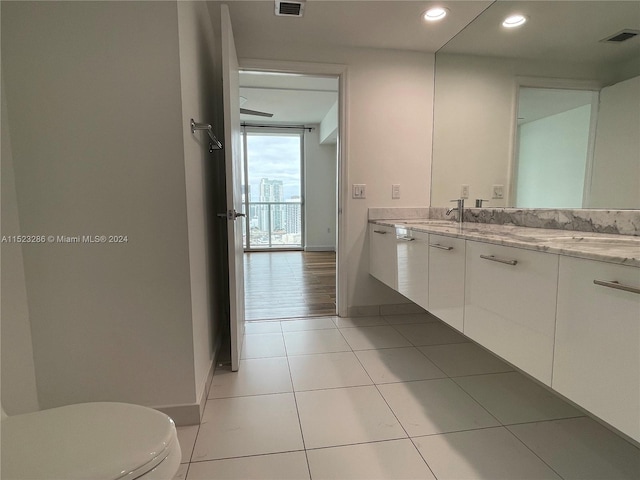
[(289, 284)]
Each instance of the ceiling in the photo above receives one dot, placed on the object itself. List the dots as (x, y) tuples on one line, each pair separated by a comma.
[(351, 23), (293, 99), (537, 103), (297, 99), (556, 30)]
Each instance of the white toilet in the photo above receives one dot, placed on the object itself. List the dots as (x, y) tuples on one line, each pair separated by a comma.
[(90, 441)]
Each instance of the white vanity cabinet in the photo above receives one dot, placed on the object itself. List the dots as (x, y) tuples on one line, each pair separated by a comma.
[(597, 350), (382, 254), (510, 304), (446, 279), (412, 252)]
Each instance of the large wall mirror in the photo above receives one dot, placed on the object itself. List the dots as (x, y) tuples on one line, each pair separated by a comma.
[(546, 115)]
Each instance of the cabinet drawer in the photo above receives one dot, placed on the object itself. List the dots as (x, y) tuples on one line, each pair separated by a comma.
[(382, 254), (510, 304), (446, 279), (597, 351), (412, 252)]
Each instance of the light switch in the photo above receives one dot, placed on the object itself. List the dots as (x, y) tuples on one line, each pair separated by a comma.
[(395, 191), (359, 190), (498, 191), (464, 191)]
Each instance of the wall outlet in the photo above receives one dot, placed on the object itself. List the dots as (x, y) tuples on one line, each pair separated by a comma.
[(464, 191), (395, 191), (498, 191), (359, 190)]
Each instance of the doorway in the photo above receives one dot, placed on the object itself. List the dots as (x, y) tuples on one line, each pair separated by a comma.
[(555, 137), (290, 194)]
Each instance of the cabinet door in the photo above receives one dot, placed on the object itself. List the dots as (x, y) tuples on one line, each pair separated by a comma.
[(382, 254), (510, 307), (412, 251), (446, 279), (597, 350)]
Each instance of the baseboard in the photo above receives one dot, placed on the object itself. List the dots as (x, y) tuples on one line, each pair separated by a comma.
[(182, 415), (330, 248), (191, 414)]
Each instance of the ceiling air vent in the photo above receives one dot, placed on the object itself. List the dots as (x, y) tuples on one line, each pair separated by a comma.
[(289, 8), (621, 36)]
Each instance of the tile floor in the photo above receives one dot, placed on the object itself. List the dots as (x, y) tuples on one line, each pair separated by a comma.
[(402, 397)]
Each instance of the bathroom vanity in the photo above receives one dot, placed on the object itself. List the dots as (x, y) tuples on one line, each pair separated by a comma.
[(562, 306)]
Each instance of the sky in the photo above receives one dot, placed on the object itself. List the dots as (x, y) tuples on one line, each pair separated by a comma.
[(276, 157)]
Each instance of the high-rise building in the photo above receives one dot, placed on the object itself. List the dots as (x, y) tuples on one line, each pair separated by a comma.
[(293, 219), (271, 191)]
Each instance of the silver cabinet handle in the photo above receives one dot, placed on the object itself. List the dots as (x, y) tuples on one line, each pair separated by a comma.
[(441, 247), (617, 285), (406, 239), (380, 231), (500, 260)]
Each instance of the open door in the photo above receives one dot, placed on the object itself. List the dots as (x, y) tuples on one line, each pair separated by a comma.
[(233, 172)]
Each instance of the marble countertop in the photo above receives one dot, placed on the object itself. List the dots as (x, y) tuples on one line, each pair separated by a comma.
[(619, 249)]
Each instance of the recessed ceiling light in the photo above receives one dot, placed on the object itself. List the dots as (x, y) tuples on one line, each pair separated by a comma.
[(513, 21), (435, 13)]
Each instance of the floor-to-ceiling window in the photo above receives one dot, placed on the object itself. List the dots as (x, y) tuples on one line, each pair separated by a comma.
[(273, 179)]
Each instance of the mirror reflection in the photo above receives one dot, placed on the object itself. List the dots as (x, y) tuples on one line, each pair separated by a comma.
[(554, 146), (544, 116)]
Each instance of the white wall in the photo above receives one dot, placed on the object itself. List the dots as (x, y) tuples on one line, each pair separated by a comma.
[(19, 393), (552, 160), (474, 112), (389, 108), (97, 134), (616, 169), (320, 176), (329, 125), (197, 45)]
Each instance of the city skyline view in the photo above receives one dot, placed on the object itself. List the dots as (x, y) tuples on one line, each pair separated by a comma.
[(274, 156), (273, 191)]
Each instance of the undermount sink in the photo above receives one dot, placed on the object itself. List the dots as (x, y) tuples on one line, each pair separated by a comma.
[(614, 241)]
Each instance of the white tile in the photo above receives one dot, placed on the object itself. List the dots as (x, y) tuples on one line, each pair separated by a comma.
[(434, 333), (263, 345), (459, 359), (315, 341), (307, 324), (251, 328), (401, 309), (435, 406), (394, 459), (410, 318), (486, 454), (241, 426), (581, 449), (343, 416), (327, 370), (181, 474), (256, 376), (342, 322), (363, 311), (187, 439), (366, 338), (279, 466), (513, 398), (404, 364)]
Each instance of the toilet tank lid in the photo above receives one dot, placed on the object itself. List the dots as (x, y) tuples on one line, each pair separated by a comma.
[(103, 440)]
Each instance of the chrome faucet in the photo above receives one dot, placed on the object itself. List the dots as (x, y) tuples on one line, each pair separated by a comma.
[(459, 209)]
